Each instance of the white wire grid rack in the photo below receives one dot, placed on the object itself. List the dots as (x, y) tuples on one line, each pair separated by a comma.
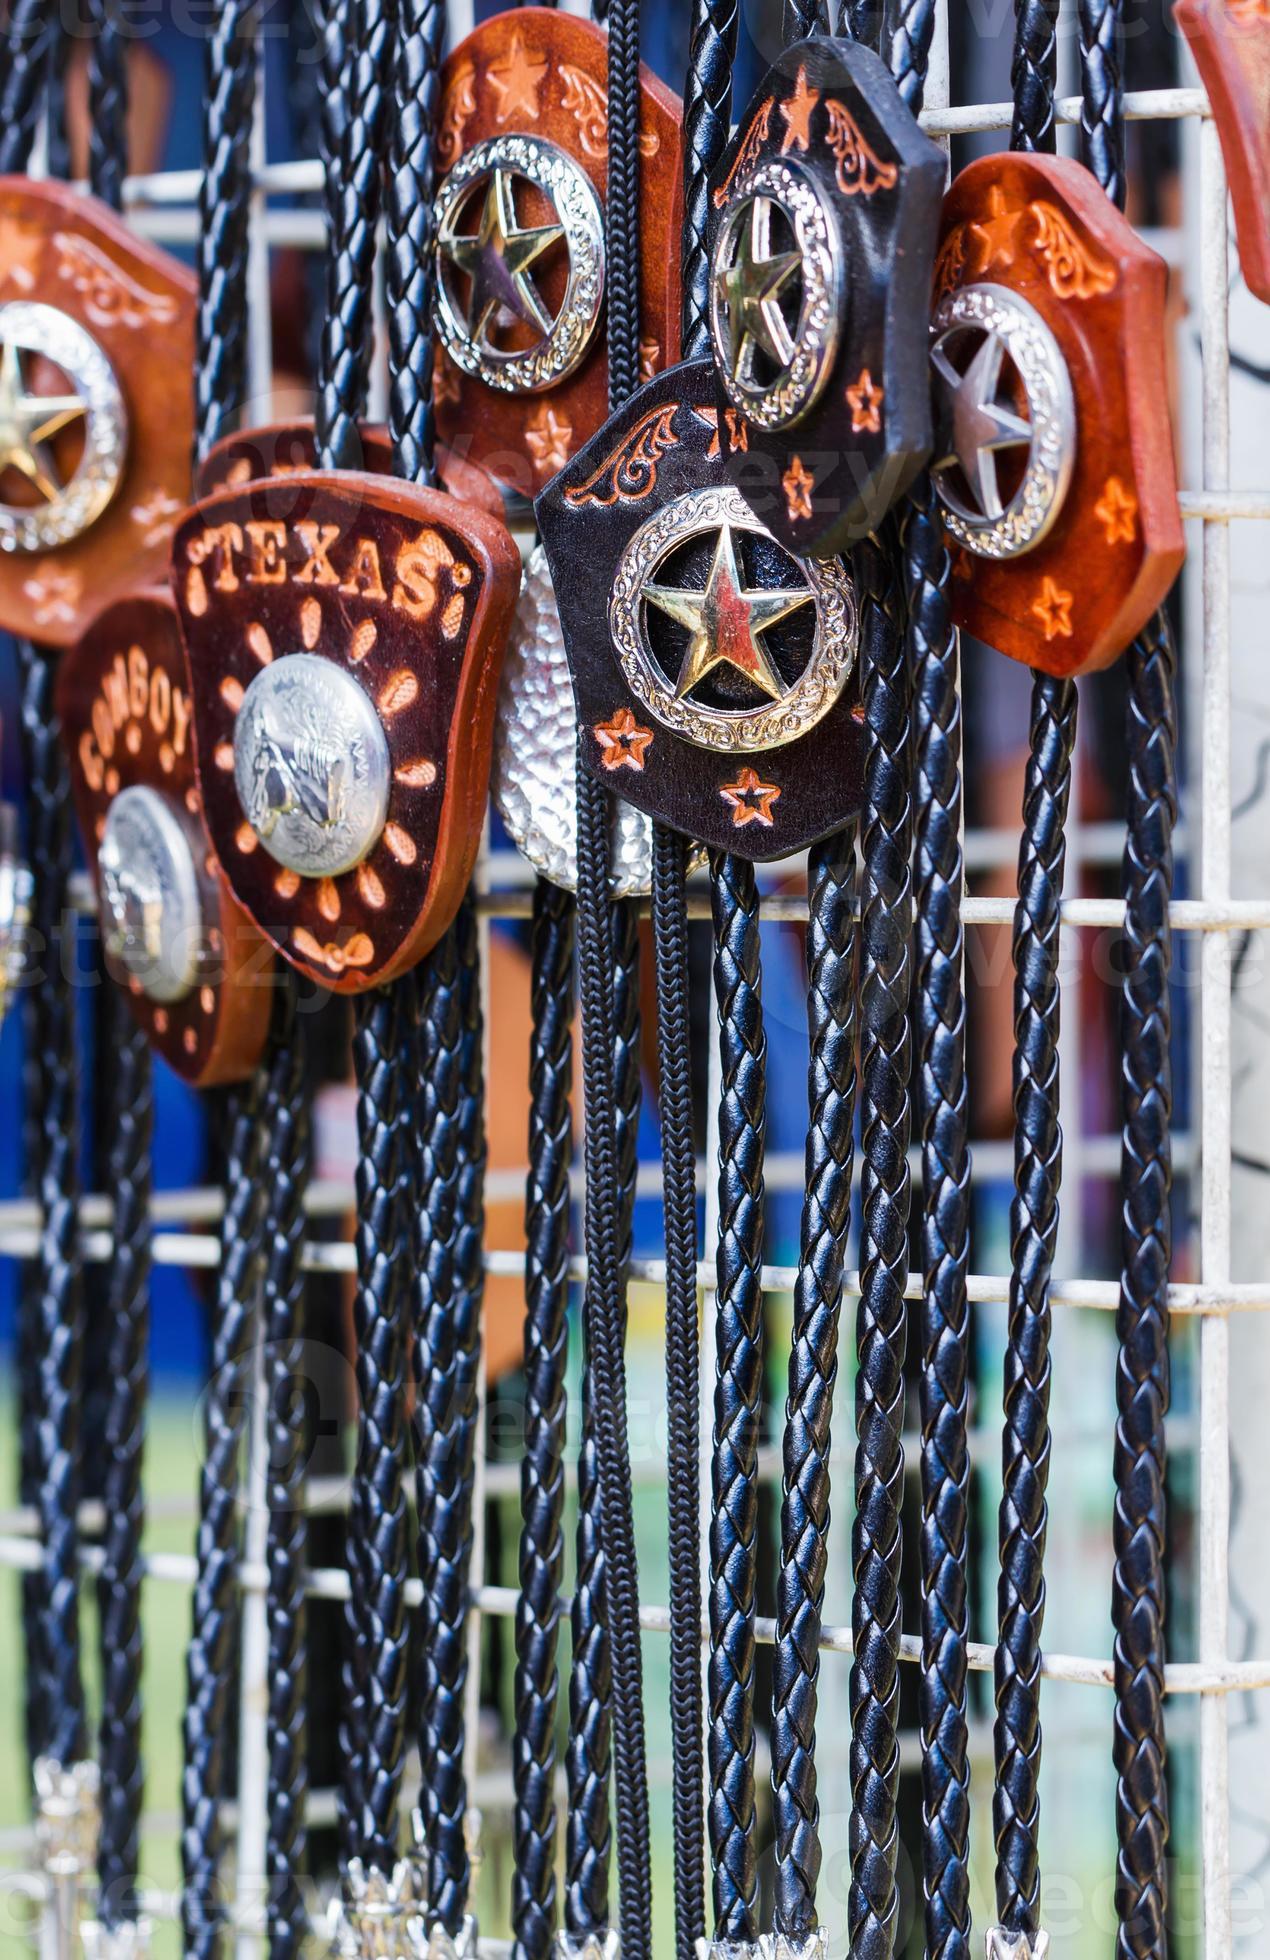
[(1206, 922)]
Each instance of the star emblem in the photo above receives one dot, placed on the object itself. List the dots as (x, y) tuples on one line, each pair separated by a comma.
[(864, 399), (750, 799), (798, 484), (725, 621), (19, 255), (496, 261), (1053, 607), (797, 113), (993, 236), (54, 594), (517, 81), (751, 290), (549, 440), (973, 427), (1116, 511), (623, 742), (28, 424), (154, 517)]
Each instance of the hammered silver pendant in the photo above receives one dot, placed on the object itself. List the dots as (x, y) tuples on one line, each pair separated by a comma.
[(535, 745)]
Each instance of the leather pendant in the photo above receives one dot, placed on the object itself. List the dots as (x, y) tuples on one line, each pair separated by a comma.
[(96, 415), (344, 635), (1230, 40), (712, 670), (823, 211), (197, 974), (281, 448), (1054, 458), (522, 370)]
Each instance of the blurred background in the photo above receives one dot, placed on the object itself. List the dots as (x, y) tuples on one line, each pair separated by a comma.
[(166, 77)]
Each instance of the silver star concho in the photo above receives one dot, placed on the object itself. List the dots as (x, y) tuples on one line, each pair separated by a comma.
[(486, 277), (750, 285), (726, 621), (975, 426), (1002, 1945), (29, 422)]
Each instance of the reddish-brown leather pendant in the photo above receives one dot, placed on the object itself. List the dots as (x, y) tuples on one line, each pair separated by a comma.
[(279, 449), (1230, 40), (1054, 453), (344, 634), (522, 140), (197, 974), (96, 416)]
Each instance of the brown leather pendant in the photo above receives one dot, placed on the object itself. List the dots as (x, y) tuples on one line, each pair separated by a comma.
[(522, 372), (1230, 40), (1054, 456), (344, 635), (281, 448), (198, 976), (96, 411)]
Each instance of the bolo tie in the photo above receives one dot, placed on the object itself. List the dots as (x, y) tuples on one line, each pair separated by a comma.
[(100, 470), (344, 631), (697, 505), (1036, 268)]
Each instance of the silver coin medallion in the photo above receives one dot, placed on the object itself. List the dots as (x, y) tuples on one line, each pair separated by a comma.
[(149, 893), (535, 745), (747, 281), (498, 260), (976, 425), (29, 423), (311, 765), (790, 709)]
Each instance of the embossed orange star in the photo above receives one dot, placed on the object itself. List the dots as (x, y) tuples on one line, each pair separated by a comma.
[(623, 741), (154, 517), (548, 438), (993, 239), (55, 594), (19, 254), (738, 433), (1053, 607), (798, 484), (1116, 511), (797, 113), (750, 799), (864, 399), (517, 80)]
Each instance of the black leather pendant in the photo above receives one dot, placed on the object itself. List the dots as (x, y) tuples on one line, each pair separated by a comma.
[(713, 670), (823, 211)]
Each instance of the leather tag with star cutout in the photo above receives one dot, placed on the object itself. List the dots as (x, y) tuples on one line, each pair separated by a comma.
[(406, 595), (1230, 40), (823, 216), (714, 672), (96, 407), (1109, 543), (522, 157), (279, 449), (124, 706)]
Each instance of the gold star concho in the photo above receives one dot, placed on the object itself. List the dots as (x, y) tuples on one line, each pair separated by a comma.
[(973, 426), (752, 286), (725, 621), (28, 422), (497, 260)]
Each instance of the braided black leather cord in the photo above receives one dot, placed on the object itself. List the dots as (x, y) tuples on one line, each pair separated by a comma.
[(409, 278), (886, 922), (29, 29), (801, 18), (1102, 95), (683, 1356), (813, 1371), (1033, 74), (737, 1395), (621, 214), (1033, 1232), (224, 203), (906, 49), (547, 1203), (212, 1647), (588, 1757), (706, 127), (945, 1317), (355, 128), (107, 103), (1142, 1373), (55, 1453), (128, 1172), (861, 20), (287, 1167)]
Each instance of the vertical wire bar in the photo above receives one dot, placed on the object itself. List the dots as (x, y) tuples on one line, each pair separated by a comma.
[(1215, 1054)]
